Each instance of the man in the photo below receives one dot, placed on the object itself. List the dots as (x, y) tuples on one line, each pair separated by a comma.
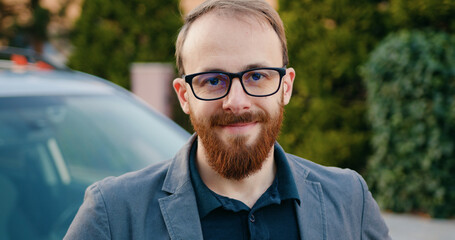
[(232, 180)]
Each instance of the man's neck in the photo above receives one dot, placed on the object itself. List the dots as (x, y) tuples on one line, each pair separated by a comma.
[(247, 190)]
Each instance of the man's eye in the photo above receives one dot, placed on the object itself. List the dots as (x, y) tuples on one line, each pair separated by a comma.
[(256, 76), (213, 81)]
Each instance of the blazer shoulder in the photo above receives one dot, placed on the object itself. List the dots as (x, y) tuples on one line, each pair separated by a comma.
[(118, 206), (333, 179), (133, 184)]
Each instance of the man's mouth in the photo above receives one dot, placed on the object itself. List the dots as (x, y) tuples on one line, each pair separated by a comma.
[(238, 128), (237, 122)]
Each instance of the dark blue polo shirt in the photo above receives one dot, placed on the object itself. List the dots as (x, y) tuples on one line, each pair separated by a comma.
[(273, 216)]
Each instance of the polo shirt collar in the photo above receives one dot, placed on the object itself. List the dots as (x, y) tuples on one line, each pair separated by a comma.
[(206, 201), (286, 183)]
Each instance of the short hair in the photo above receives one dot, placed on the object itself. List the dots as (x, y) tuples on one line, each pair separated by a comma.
[(249, 8)]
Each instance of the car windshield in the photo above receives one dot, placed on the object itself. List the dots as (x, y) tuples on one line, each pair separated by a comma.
[(53, 147)]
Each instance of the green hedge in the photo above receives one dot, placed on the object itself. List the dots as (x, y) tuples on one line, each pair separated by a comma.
[(410, 78)]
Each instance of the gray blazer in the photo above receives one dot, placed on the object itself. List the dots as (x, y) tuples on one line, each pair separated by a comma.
[(158, 202)]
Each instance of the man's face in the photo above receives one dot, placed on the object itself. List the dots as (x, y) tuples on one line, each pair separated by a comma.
[(237, 131)]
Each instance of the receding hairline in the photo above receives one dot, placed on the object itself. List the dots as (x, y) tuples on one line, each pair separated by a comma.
[(252, 20), (258, 11)]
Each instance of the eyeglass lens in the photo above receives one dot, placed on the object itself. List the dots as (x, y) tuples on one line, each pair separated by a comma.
[(258, 82)]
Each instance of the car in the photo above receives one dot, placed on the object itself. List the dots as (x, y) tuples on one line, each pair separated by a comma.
[(60, 131)]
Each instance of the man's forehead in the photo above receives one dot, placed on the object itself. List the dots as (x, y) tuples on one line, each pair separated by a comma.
[(217, 33), (250, 20), (241, 15), (243, 68), (224, 22)]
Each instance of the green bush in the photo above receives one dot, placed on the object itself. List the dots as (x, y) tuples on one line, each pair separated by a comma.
[(410, 78), (110, 35)]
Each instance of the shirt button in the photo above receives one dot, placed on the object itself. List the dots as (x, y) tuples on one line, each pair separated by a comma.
[(252, 219)]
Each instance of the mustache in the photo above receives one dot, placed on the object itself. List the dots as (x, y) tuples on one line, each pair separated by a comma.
[(225, 118)]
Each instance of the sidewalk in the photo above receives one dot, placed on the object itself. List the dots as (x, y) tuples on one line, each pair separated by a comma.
[(410, 227)]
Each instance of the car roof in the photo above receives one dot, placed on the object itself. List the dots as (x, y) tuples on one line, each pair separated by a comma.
[(24, 72), (51, 82)]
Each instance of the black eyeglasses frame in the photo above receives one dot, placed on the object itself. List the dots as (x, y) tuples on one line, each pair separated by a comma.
[(232, 76)]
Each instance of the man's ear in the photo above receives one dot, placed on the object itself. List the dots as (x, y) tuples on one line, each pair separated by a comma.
[(181, 90), (288, 81)]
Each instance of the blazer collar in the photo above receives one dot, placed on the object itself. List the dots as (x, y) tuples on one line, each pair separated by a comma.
[(311, 215), (179, 209), (178, 172)]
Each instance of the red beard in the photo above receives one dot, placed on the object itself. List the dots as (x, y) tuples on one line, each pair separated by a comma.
[(235, 159)]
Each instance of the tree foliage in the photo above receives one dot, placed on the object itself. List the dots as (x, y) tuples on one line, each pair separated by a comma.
[(327, 41), (418, 14), (110, 35), (410, 79), (23, 24)]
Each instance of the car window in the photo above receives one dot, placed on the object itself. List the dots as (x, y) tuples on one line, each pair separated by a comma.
[(53, 147)]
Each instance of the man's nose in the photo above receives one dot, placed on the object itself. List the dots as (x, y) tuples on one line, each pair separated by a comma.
[(237, 101)]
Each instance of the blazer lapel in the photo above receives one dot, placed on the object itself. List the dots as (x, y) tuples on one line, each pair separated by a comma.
[(180, 214), (311, 213), (179, 209)]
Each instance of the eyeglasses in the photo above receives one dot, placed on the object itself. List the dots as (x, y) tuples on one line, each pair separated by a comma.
[(256, 82)]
